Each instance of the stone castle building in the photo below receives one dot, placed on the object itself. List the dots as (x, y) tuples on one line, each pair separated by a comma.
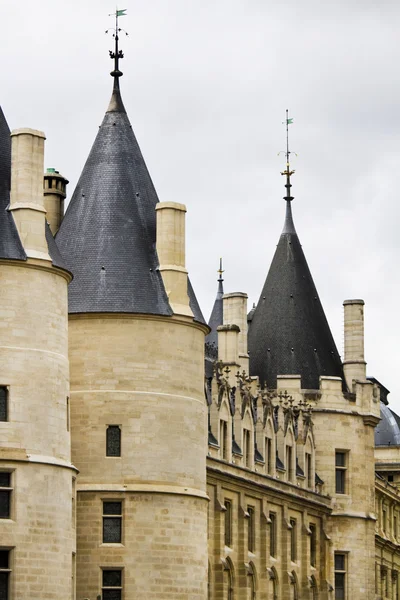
[(261, 472)]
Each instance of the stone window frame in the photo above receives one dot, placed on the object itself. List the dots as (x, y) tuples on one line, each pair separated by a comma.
[(9, 489), (109, 452), (293, 539), (6, 389), (7, 569), (105, 588), (273, 534), (228, 523), (108, 516), (341, 572), (342, 469)]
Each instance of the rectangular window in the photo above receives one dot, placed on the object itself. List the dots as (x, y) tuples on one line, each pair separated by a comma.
[(113, 442), (5, 572), (395, 527), (273, 534), (112, 522), (384, 519), (3, 403), (289, 463), (341, 469), (340, 576), (251, 529), (223, 439), (5, 495), (309, 471), (228, 523), (268, 455), (112, 584), (293, 540), (313, 545), (246, 447)]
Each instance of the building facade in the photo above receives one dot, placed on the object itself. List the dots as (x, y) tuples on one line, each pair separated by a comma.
[(147, 454)]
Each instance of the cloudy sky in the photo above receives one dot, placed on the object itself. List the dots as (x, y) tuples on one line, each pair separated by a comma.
[(206, 84)]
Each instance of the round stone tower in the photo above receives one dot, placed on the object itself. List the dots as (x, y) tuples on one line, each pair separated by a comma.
[(36, 475), (138, 413)]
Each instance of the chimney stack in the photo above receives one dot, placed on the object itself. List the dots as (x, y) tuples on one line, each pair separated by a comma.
[(26, 200), (354, 364), (55, 186)]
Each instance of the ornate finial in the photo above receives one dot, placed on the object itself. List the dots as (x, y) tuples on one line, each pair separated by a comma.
[(117, 54), (220, 270), (287, 171)]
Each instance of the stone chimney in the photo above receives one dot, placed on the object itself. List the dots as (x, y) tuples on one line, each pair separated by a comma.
[(171, 254), (26, 200), (235, 313), (54, 190), (354, 364)]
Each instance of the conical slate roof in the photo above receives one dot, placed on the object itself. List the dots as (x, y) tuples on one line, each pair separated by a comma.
[(10, 244), (289, 333), (108, 234)]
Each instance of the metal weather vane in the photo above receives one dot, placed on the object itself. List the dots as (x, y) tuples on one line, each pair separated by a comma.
[(220, 270), (288, 121), (117, 54)]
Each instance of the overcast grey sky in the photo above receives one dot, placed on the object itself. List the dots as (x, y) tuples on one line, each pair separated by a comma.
[(206, 84)]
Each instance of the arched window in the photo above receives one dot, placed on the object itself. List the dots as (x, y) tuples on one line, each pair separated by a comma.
[(228, 579), (274, 583), (294, 585), (314, 588), (251, 581)]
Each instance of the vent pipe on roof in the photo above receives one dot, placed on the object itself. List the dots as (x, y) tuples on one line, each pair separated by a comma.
[(354, 364), (54, 195)]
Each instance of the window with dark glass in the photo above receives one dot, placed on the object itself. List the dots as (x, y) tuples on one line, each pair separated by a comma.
[(3, 403), (313, 545), (246, 448), (293, 540), (228, 523), (289, 463), (5, 495), (340, 576), (112, 522), (223, 439), (272, 534), (113, 440), (5, 572), (112, 584), (341, 468), (309, 470), (268, 455), (251, 529)]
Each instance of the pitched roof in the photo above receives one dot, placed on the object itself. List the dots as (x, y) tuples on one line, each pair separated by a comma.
[(289, 333), (108, 234), (10, 244)]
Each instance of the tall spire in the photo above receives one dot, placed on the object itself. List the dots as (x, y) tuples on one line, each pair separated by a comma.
[(289, 332), (288, 226), (217, 314), (116, 104)]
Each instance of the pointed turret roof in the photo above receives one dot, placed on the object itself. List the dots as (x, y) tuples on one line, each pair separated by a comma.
[(217, 313), (10, 244), (289, 333)]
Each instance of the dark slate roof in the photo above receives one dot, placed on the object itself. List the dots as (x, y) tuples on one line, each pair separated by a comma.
[(10, 244), (108, 234), (194, 305), (54, 252), (289, 333), (387, 432), (217, 316)]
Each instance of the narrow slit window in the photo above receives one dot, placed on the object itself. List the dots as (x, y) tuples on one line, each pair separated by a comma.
[(112, 522), (5, 573), (113, 440), (5, 495), (293, 540), (3, 403), (313, 545), (268, 455), (223, 439), (272, 534), (340, 576), (341, 472), (251, 529), (228, 523)]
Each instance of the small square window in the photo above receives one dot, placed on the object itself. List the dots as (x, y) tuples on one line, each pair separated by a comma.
[(112, 522)]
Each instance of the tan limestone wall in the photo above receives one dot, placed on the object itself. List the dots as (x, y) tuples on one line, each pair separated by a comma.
[(162, 554), (145, 375), (35, 442)]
